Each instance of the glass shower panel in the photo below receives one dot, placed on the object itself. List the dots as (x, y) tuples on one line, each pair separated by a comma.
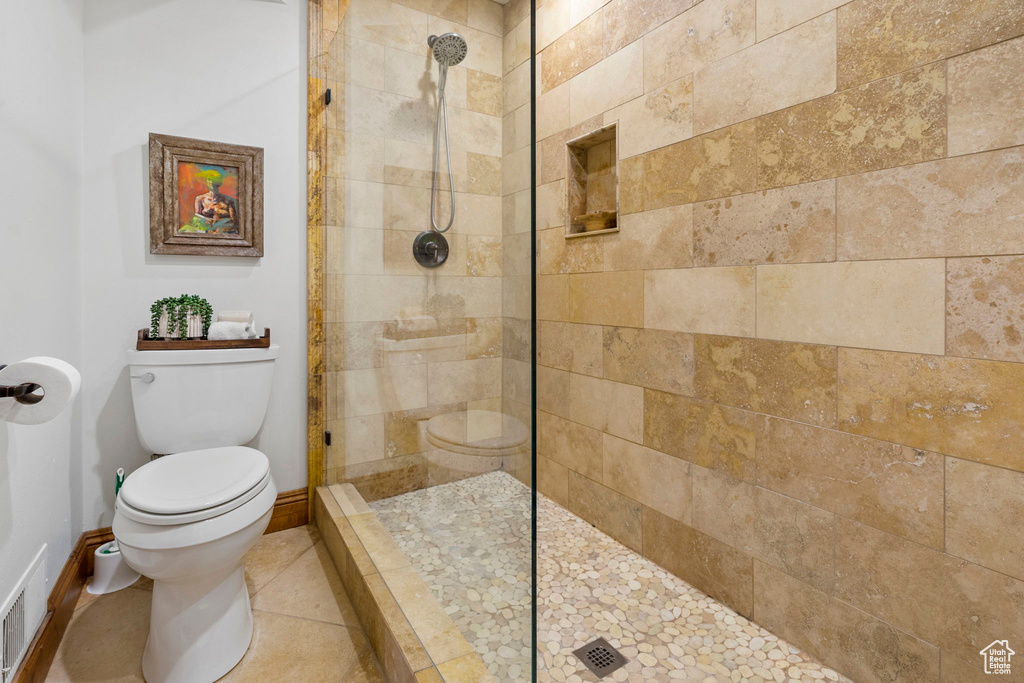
[(429, 376)]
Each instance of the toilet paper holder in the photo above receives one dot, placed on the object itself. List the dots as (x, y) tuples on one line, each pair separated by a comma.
[(22, 393)]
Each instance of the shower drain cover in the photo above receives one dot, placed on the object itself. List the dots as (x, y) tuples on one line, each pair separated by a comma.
[(600, 657)]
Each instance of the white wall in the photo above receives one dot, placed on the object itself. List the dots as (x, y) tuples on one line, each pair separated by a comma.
[(232, 71), (40, 163)]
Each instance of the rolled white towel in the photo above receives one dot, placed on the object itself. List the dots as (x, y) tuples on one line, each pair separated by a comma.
[(236, 317), (229, 330)]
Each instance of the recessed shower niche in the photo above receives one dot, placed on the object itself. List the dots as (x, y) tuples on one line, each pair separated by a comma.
[(592, 185)]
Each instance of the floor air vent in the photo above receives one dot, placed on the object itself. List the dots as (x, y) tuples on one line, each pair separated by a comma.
[(21, 615), (600, 657)]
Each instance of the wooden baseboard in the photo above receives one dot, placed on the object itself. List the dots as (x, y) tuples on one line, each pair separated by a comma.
[(290, 510)]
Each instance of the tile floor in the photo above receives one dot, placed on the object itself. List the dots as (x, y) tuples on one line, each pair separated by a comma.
[(470, 542), (305, 628)]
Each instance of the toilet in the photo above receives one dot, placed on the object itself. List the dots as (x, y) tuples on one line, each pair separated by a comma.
[(186, 519)]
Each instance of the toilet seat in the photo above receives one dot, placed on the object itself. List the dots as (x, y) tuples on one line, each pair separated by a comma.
[(194, 480)]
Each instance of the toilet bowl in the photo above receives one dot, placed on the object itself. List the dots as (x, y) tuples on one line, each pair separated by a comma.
[(186, 519)]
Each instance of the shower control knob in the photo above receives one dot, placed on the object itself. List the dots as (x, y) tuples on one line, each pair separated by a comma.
[(430, 249)]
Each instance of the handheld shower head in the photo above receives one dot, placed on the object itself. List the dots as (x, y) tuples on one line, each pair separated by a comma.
[(449, 48)]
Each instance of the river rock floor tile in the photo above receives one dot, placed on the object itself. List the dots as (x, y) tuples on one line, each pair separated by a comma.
[(470, 541)]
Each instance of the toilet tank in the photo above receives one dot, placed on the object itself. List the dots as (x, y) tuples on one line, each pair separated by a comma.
[(188, 400)]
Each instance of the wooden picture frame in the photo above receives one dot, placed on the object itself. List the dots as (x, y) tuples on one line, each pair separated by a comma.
[(205, 198)]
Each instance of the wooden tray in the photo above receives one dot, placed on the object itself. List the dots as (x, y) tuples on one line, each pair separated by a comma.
[(146, 344)]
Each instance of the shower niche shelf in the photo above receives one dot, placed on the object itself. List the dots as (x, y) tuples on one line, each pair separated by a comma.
[(592, 183)]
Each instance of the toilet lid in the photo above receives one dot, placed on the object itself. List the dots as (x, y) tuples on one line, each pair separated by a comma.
[(194, 480)]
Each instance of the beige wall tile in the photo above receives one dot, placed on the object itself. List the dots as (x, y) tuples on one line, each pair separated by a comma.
[(894, 488), (957, 671), (719, 570), (483, 256), (552, 297), (552, 111), (926, 593), (581, 9), (551, 205), (614, 298), (657, 480), (486, 15), (787, 534), (709, 31), (840, 636), (657, 359), (552, 21), (613, 513), (627, 20), (893, 305), (380, 390), (706, 300), (794, 381), (577, 50), (571, 445), (483, 92), (986, 98), (660, 117), (882, 37), (553, 480), (465, 380), (718, 164), (651, 240), (631, 185), (553, 391), (775, 16), (713, 436), (984, 318), (589, 94), (956, 406), (985, 515), (612, 407), (515, 88), (893, 122), (792, 67), (794, 224), (966, 206), (570, 346)]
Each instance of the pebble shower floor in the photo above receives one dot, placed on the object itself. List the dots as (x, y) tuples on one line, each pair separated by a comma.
[(470, 541)]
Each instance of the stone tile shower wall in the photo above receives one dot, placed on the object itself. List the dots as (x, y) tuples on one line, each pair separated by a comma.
[(404, 343), (794, 377)]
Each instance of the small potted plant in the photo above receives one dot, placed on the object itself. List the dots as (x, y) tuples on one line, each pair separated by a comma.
[(180, 317)]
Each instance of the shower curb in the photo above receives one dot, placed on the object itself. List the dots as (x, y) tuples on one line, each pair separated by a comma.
[(413, 637)]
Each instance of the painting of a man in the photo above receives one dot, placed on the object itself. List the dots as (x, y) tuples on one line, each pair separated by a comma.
[(207, 198)]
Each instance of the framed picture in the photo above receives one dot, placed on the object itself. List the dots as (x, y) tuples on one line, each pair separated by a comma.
[(205, 197)]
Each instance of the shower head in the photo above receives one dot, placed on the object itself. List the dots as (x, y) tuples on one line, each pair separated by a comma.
[(449, 48)]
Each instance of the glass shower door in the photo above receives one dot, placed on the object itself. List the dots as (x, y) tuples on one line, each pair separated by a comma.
[(428, 331)]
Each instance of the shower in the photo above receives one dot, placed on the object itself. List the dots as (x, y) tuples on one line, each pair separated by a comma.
[(449, 49)]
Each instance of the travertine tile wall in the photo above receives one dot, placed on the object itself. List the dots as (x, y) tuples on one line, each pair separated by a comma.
[(794, 377), (405, 343)]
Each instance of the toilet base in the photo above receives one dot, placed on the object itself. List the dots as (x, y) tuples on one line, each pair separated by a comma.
[(199, 629)]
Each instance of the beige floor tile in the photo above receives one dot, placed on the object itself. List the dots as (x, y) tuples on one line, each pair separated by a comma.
[(290, 649), (274, 552), (105, 640), (309, 588), (107, 634)]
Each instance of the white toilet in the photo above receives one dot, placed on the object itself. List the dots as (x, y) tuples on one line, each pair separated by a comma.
[(185, 520)]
